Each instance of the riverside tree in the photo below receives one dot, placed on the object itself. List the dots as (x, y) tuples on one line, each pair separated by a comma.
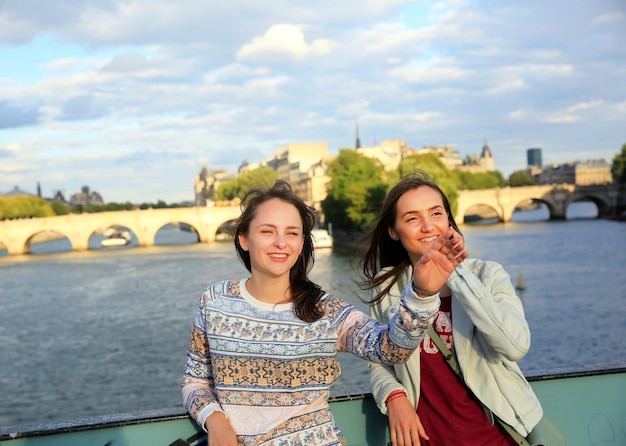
[(358, 185), (24, 207), (430, 163), (232, 189), (355, 191), (618, 167), (521, 178)]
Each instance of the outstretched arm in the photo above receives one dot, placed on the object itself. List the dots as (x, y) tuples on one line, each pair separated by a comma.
[(405, 426)]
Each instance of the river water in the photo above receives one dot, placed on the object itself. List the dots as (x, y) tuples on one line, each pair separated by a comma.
[(104, 332)]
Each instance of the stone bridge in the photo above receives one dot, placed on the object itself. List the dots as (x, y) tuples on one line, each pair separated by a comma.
[(609, 199), (17, 235)]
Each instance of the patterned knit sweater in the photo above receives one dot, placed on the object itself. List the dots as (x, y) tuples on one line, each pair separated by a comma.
[(271, 373)]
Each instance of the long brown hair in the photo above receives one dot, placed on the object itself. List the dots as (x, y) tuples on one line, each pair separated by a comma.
[(381, 250), (304, 293)]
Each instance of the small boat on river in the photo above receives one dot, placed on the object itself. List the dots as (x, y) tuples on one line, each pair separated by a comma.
[(521, 286), (115, 238), (588, 407), (322, 239)]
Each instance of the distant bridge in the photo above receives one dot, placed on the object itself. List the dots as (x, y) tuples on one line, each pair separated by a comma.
[(17, 235), (609, 199)]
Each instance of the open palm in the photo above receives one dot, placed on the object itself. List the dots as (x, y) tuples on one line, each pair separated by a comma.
[(433, 269)]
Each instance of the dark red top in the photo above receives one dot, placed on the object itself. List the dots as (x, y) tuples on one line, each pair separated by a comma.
[(450, 413)]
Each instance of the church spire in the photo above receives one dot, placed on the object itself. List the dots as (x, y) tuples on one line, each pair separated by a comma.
[(358, 137), (486, 151)]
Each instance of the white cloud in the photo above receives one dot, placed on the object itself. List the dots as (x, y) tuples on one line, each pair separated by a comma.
[(585, 105), (283, 39), (426, 116), (616, 16), (435, 71), (570, 114), (561, 119), (506, 87), (517, 114), (69, 64)]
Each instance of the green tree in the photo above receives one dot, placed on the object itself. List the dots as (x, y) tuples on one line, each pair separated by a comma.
[(60, 208), (481, 180), (618, 167), (355, 191), (521, 178), (262, 176), (112, 206), (235, 188), (24, 207), (430, 163)]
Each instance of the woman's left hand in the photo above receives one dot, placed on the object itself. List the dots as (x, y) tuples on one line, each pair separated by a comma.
[(433, 269)]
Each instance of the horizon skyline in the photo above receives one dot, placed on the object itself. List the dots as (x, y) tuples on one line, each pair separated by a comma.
[(192, 199)]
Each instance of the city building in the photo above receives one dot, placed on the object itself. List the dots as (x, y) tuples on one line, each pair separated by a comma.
[(534, 157), (206, 183), (17, 192), (449, 156), (303, 165), (86, 197), (580, 173), (388, 153), (58, 196), (478, 164)]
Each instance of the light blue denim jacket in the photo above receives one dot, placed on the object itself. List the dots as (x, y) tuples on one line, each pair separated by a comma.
[(489, 333)]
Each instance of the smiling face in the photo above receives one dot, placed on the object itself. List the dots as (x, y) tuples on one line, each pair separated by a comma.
[(420, 219), (274, 239)]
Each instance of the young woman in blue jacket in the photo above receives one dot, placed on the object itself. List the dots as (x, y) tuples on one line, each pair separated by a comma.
[(481, 320)]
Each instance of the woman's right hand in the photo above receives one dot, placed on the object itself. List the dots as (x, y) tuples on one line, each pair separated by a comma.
[(433, 268), (220, 431), (404, 424)]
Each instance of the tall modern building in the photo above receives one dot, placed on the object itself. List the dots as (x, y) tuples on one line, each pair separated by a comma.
[(534, 157)]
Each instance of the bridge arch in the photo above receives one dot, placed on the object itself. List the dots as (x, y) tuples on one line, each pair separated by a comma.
[(226, 230), (552, 211), (165, 234), (480, 212), (602, 204), (44, 236)]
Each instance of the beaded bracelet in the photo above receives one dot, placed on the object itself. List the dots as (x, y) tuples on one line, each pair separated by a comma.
[(416, 290)]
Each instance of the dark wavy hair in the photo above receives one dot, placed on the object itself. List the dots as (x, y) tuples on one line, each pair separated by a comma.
[(305, 294), (381, 250)]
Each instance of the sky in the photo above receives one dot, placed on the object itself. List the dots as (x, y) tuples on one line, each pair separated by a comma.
[(134, 98)]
